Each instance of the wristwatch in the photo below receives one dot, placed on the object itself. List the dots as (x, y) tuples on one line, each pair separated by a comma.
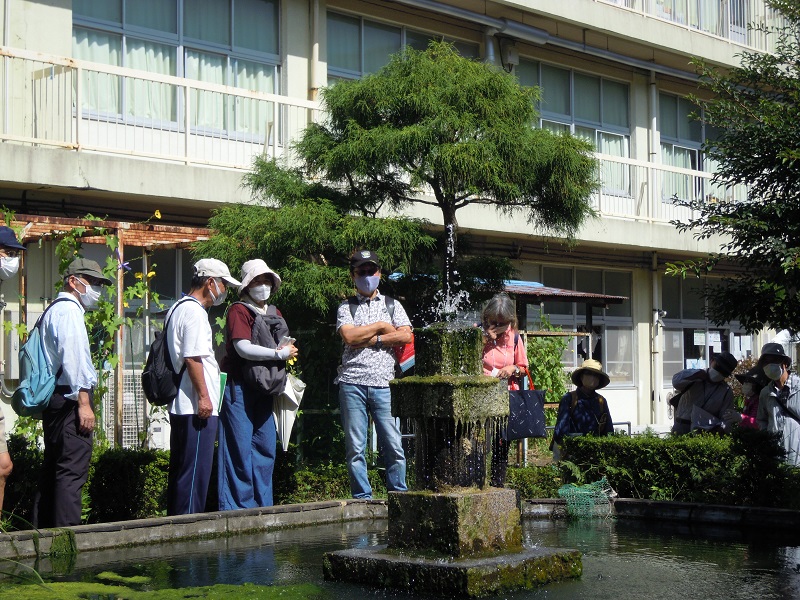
[(378, 342)]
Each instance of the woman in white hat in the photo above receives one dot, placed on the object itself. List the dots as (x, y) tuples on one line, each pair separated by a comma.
[(247, 437), (584, 411)]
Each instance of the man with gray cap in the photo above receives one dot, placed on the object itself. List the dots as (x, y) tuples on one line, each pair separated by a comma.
[(370, 330), (779, 402), (705, 397), (194, 412), (68, 420)]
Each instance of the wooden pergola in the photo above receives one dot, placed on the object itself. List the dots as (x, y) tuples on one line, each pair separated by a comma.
[(148, 236)]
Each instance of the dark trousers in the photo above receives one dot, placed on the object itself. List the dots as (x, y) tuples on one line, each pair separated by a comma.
[(191, 455), (67, 454)]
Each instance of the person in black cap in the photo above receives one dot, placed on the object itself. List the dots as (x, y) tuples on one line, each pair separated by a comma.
[(704, 398), (779, 402), (370, 330), (68, 420), (10, 250)]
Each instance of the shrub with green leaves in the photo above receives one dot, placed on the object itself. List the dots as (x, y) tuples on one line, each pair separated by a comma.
[(128, 484), (744, 468), (535, 481)]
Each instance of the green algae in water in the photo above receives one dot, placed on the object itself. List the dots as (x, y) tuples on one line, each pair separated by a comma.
[(101, 591)]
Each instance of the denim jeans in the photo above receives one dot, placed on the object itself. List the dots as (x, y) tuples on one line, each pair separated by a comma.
[(246, 452), (355, 402)]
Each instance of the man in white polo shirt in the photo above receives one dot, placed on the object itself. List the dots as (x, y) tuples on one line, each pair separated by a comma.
[(194, 413)]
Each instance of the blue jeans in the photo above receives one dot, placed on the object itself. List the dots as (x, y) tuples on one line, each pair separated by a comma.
[(355, 401), (246, 453)]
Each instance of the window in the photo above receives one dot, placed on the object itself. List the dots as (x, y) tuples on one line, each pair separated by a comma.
[(358, 47), (230, 42), (590, 107), (687, 337), (681, 138), (612, 328)]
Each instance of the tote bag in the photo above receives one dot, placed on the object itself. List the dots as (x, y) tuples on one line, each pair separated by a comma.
[(525, 414)]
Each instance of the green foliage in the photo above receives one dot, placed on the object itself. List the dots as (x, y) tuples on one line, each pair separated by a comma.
[(128, 484), (544, 358), (535, 481), (744, 468), (460, 128), (755, 108), (22, 484), (327, 481)]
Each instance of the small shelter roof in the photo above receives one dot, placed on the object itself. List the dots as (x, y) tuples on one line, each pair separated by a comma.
[(543, 293)]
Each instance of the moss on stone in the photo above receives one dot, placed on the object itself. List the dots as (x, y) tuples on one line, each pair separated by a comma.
[(83, 590), (444, 350)]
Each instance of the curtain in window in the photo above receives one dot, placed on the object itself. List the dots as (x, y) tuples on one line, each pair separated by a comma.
[(616, 175), (100, 92), (587, 98), (207, 108), (252, 116), (207, 20), (344, 43), (161, 15), (615, 104), (255, 25), (619, 354), (148, 99), (380, 41), (555, 90), (107, 10), (678, 184)]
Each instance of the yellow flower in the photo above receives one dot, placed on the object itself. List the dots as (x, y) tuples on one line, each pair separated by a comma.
[(125, 304), (151, 274), (157, 214), (291, 361), (139, 275)]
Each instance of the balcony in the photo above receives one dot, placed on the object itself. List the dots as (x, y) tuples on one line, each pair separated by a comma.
[(726, 19), (145, 116)]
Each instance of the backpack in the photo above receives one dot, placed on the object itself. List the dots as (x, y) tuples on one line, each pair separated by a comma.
[(160, 382), (266, 376), (405, 355), (37, 380)]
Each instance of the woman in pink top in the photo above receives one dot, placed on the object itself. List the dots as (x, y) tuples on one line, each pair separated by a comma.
[(504, 356), (752, 383)]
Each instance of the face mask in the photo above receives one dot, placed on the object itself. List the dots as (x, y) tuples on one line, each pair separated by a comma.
[(748, 389), (219, 297), (9, 265), (590, 382), (89, 297), (366, 284), (773, 371), (715, 375), (260, 293)]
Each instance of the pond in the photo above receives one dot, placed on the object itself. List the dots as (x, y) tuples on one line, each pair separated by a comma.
[(622, 560)]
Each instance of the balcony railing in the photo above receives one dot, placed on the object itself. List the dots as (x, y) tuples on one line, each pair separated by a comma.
[(727, 19), (150, 116), (62, 102)]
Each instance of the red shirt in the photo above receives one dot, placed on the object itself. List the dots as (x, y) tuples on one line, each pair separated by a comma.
[(238, 326)]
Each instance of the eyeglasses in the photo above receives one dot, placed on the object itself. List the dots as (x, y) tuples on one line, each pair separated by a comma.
[(499, 323), (362, 271), (9, 252)]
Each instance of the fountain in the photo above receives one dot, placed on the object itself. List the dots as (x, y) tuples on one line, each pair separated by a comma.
[(452, 534)]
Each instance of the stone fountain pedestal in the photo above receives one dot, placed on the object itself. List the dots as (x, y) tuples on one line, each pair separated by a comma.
[(452, 535)]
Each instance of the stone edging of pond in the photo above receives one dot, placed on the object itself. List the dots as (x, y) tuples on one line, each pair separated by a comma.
[(87, 538)]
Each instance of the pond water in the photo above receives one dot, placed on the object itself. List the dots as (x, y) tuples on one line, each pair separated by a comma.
[(622, 560)]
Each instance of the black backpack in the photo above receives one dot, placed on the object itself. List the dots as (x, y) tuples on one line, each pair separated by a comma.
[(160, 382)]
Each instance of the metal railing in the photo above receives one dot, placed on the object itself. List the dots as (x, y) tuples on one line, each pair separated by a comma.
[(150, 116), (727, 19), (68, 103)]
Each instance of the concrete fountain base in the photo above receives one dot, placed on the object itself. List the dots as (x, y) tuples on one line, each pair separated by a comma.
[(464, 543), (454, 578)]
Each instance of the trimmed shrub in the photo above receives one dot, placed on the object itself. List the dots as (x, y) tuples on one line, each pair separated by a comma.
[(23, 482), (744, 468), (535, 481), (327, 481), (128, 484)]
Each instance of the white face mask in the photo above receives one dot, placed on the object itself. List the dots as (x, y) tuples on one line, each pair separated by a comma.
[(590, 382), (260, 293), (89, 297), (773, 371), (748, 389), (9, 265), (715, 375), (219, 297)]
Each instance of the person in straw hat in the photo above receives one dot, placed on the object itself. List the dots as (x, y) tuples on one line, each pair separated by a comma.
[(584, 411)]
